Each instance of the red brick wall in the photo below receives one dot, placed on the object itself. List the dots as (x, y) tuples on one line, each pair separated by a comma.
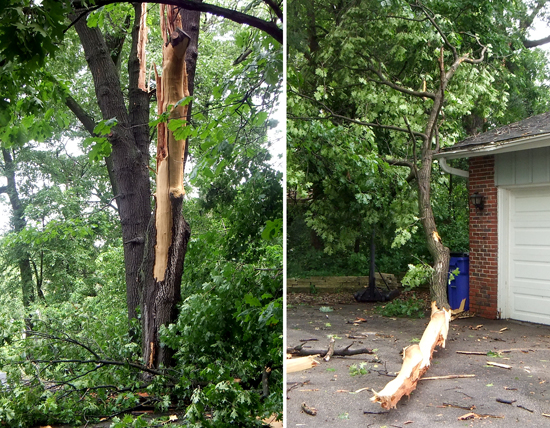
[(483, 239)]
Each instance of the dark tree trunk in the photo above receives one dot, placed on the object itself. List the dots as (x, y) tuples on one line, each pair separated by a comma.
[(19, 223), (130, 154), (156, 295)]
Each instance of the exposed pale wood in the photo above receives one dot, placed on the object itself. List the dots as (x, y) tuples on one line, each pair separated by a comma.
[(141, 44), (330, 350), (301, 363), (170, 151), (502, 366), (416, 360)]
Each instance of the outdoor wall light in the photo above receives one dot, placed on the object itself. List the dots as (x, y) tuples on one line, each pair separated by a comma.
[(478, 201)]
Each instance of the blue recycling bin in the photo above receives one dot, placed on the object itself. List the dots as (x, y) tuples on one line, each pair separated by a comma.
[(459, 288)]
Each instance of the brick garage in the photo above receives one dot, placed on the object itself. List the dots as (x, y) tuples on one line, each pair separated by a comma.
[(509, 168), (483, 238)]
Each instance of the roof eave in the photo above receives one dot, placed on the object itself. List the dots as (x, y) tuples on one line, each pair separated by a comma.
[(493, 148)]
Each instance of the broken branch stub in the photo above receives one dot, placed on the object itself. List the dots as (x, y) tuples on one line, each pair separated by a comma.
[(416, 360), (171, 88)]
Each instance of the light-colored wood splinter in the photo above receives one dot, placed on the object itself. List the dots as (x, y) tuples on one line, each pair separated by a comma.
[(171, 88), (416, 360)]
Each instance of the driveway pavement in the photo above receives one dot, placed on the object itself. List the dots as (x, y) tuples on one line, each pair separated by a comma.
[(331, 389)]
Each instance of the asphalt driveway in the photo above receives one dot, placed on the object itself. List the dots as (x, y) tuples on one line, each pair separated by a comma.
[(337, 389)]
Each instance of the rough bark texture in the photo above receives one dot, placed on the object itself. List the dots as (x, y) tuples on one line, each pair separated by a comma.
[(159, 299), (130, 153)]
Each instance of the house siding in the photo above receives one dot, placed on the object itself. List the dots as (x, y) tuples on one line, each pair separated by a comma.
[(483, 239), (524, 167)]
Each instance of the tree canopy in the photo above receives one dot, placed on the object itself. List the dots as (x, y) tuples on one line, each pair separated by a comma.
[(364, 83)]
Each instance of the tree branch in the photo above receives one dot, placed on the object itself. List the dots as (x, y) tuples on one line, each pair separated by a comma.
[(3, 189), (275, 8), (81, 114), (535, 43), (100, 362), (384, 81), (428, 15), (404, 162), (526, 23), (268, 27), (348, 119)]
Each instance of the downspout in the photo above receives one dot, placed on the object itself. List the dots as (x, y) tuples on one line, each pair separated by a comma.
[(450, 170)]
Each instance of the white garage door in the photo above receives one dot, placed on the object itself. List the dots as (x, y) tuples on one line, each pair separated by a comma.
[(529, 287)]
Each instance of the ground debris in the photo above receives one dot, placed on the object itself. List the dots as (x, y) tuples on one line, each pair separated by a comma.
[(308, 410), (503, 401), (473, 415), (472, 407), (502, 366)]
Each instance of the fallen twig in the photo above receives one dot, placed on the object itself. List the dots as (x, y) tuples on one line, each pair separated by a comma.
[(503, 401), (472, 407), (524, 408), (471, 352), (458, 376), (472, 415), (374, 413), (294, 386), (341, 352), (502, 366)]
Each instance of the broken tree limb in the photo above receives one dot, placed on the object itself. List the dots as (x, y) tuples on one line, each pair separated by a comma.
[(330, 351), (416, 360), (342, 352)]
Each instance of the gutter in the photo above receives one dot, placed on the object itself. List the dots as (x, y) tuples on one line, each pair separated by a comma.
[(496, 147), (450, 170)]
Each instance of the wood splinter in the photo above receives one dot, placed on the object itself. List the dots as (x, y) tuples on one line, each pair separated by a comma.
[(416, 360)]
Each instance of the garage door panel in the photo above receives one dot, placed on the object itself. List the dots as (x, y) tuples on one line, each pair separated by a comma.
[(529, 249), (526, 237)]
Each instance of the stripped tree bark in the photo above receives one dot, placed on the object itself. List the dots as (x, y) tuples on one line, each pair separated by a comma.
[(416, 360), (168, 233)]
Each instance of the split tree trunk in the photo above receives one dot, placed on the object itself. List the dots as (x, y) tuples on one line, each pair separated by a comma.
[(168, 232), (416, 360)]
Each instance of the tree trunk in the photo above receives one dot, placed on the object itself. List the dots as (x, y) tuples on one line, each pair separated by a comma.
[(154, 246), (130, 154), (19, 223), (168, 232)]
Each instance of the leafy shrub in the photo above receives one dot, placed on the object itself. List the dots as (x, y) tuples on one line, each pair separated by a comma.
[(412, 308)]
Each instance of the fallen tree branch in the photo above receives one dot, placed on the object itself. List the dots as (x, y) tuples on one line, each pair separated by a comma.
[(342, 352), (416, 360), (330, 351)]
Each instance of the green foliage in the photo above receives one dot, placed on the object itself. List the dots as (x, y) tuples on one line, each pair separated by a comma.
[(355, 370), (417, 275), (410, 308)]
